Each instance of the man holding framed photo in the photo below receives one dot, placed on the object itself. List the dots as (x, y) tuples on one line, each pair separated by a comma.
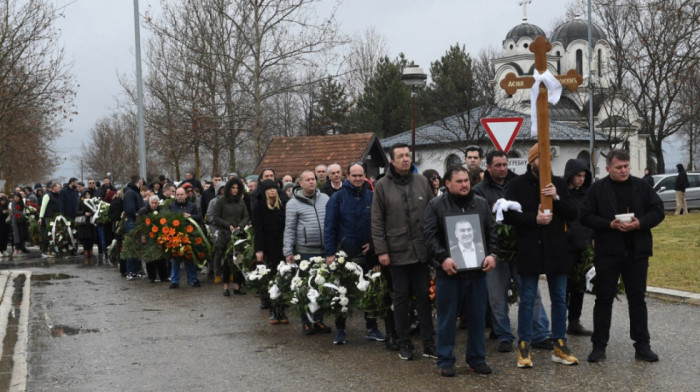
[(461, 237)]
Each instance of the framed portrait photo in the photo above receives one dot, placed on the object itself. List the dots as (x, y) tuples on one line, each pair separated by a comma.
[(466, 241)]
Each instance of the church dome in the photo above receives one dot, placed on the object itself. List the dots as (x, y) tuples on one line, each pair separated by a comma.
[(576, 29), (524, 30)]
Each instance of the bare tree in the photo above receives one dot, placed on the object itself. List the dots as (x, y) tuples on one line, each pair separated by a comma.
[(280, 35), (363, 55), (36, 87), (654, 43)]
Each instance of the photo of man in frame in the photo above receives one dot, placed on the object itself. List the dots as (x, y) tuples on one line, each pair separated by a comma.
[(466, 241)]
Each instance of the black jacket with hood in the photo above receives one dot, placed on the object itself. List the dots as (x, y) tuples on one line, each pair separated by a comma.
[(579, 236)]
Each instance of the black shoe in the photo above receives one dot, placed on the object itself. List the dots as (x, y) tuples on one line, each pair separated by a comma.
[(597, 355), (273, 317), (547, 344), (238, 292), (281, 316), (644, 353), (492, 335), (174, 285), (227, 293), (308, 329), (576, 328), (481, 368), (406, 353), (264, 303), (392, 342), (505, 346), (320, 327), (447, 371), (429, 352), (195, 284)]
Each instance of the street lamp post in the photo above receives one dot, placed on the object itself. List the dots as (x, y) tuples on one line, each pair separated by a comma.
[(414, 77)]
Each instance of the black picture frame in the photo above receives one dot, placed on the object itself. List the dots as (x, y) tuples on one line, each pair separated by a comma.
[(475, 263)]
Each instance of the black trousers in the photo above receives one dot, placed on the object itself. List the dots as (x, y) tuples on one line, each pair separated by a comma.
[(634, 275), (574, 296), (159, 266), (412, 279)]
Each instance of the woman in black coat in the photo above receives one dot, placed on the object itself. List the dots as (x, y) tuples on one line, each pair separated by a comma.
[(5, 227), (269, 217), (86, 230)]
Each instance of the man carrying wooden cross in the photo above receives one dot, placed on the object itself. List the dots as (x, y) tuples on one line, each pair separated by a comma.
[(541, 226)]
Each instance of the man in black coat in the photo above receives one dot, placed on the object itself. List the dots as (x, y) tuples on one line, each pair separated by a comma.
[(68, 199), (460, 290), (542, 249), (622, 247), (493, 187)]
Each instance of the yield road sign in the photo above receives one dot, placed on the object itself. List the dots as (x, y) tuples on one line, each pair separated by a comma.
[(502, 131)]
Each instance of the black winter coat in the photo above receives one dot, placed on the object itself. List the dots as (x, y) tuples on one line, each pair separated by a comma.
[(600, 208), (269, 231), (579, 236), (490, 190), (541, 249), (434, 228)]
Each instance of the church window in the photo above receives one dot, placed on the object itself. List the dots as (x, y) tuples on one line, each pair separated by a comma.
[(579, 61)]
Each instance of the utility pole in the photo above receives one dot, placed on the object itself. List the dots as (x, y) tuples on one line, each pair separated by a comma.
[(139, 94)]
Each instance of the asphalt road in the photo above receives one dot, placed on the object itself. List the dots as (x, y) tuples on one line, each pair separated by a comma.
[(91, 330)]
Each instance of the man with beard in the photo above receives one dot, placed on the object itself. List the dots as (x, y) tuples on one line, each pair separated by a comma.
[(542, 249), (493, 187), (460, 290), (68, 199)]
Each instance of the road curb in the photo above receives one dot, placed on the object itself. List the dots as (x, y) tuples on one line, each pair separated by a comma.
[(678, 296)]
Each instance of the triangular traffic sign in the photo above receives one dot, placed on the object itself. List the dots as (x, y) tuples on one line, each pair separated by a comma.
[(502, 131)]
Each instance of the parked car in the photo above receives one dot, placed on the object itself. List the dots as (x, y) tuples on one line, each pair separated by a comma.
[(664, 183)]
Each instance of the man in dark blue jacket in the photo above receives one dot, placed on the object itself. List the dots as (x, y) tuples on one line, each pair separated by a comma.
[(68, 199), (132, 204), (457, 290), (622, 247), (347, 227)]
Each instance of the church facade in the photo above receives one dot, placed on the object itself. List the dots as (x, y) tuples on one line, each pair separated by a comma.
[(616, 123)]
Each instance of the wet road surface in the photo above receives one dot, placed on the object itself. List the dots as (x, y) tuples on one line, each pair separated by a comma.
[(91, 330)]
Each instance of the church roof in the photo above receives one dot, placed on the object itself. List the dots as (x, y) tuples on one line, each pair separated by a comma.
[(524, 30), (576, 29), (439, 132)]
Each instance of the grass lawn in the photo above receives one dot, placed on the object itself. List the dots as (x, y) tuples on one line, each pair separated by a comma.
[(676, 260)]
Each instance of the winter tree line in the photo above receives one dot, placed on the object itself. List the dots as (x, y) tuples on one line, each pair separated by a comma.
[(225, 76)]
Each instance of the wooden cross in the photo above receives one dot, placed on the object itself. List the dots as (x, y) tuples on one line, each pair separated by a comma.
[(511, 84)]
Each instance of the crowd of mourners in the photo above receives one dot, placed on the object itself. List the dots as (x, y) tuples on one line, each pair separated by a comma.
[(397, 224)]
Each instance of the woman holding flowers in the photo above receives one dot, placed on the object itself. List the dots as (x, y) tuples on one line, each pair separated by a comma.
[(160, 266), (20, 224), (86, 229), (269, 232), (230, 215)]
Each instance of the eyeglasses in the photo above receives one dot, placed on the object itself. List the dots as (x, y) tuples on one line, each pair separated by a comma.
[(434, 178)]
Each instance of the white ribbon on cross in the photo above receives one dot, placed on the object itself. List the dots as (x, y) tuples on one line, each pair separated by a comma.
[(553, 88)]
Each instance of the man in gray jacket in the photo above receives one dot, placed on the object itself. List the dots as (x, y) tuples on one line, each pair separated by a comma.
[(303, 231), (400, 199)]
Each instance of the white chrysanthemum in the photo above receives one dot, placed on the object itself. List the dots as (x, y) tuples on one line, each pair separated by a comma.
[(274, 292), (342, 290), (333, 266), (296, 282), (341, 259), (342, 254), (297, 257), (344, 301), (344, 309), (294, 300), (320, 280), (317, 259), (304, 265)]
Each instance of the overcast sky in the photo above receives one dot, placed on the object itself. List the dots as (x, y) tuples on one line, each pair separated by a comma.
[(98, 38)]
